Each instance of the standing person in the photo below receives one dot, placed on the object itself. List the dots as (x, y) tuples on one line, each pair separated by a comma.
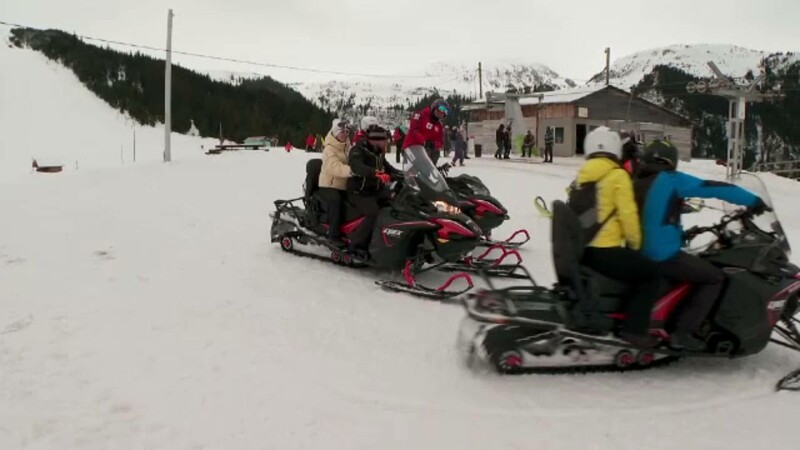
[(398, 137), (448, 141), (498, 138), (528, 144), (660, 190), (319, 144), (507, 142), (549, 140), (333, 177), (427, 128), (365, 189), (310, 140), (460, 148), (614, 235)]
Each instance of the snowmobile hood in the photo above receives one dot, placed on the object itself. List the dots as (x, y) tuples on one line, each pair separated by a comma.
[(595, 169)]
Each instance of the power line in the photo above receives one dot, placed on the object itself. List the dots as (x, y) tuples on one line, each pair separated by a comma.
[(222, 58)]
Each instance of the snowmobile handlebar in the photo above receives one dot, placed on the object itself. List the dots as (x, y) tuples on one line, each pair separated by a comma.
[(718, 227)]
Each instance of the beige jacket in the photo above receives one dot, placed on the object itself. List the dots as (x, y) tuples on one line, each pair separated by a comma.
[(335, 170)]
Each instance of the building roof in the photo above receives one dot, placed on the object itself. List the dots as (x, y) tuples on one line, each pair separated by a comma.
[(550, 97)]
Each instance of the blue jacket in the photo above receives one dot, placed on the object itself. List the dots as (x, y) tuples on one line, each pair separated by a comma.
[(661, 198)]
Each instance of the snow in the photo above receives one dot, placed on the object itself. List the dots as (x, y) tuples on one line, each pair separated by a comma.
[(142, 306)]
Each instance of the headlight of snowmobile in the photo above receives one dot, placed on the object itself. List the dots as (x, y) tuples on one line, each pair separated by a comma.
[(446, 207)]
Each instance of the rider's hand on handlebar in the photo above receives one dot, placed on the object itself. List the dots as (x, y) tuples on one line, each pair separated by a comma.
[(383, 176), (759, 208)]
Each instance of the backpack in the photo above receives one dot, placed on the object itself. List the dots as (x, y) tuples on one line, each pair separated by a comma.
[(582, 200)]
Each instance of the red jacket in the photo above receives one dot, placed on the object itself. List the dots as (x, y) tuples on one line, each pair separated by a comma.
[(423, 128), (397, 136), (310, 140)]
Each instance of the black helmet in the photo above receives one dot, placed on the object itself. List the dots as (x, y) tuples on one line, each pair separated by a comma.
[(661, 151), (441, 107)]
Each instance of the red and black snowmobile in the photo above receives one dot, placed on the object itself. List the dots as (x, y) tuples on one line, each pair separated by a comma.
[(537, 329), (478, 203), (419, 229)]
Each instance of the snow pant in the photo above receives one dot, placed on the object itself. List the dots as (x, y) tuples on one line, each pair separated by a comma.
[(368, 206), (499, 153), (548, 153), (507, 152), (707, 284), (433, 154), (398, 152), (527, 150), (459, 156), (334, 206), (634, 269)]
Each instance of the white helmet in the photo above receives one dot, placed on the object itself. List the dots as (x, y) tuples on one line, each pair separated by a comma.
[(603, 140), (366, 121)]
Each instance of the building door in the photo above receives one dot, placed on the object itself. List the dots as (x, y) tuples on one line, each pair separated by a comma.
[(580, 135)]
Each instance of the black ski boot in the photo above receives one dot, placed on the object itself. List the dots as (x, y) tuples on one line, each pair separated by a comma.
[(687, 342)]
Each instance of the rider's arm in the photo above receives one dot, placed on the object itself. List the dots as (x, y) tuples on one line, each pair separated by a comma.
[(356, 161), (689, 186), (626, 207)]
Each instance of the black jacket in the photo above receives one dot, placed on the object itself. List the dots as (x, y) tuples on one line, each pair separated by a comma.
[(364, 161)]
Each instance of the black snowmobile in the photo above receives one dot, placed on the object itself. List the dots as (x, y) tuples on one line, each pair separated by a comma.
[(417, 231), (477, 202), (572, 326)]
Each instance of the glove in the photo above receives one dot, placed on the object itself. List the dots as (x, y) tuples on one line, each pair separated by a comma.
[(760, 208), (383, 176)]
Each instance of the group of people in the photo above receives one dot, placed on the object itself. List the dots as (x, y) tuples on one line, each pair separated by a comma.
[(358, 172), (637, 237), (503, 140)]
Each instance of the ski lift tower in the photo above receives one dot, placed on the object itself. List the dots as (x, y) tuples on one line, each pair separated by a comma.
[(738, 96)]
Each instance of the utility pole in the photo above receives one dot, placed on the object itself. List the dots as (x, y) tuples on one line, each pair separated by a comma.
[(168, 92), (608, 65), (738, 96), (480, 81)]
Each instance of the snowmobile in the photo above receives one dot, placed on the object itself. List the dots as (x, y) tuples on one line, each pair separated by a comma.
[(477, 202), (572, 326), (420, 229)]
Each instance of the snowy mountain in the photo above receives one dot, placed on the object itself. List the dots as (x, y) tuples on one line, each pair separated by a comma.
[(693, 59)]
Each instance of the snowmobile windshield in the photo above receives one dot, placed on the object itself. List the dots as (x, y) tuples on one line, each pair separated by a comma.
[(420, 168), (768, 221)]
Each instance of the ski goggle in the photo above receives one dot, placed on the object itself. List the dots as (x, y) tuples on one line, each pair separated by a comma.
[(443, 110)]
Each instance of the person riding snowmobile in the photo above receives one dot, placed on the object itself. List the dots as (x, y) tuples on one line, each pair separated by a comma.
[(333, 177), (613, 236), (660, 192), (361, 134), (427, 129), (366, 188)]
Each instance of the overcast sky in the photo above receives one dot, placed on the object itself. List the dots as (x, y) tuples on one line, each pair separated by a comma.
[(390, 37)]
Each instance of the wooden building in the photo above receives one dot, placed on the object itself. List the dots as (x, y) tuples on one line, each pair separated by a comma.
[(573, 113)]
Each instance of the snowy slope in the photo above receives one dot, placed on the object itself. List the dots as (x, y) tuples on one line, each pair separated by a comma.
[(48, 115), (732, 60), (144, 308)]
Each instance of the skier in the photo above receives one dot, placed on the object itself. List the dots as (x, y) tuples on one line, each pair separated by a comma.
[(333, 177), (527, 144), (660, 189), (604, 189), (427, 128), (460, 148), (366, 188), (310, 140)]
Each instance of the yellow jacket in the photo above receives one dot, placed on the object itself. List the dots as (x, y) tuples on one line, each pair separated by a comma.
[(614, 195), (335, 170)]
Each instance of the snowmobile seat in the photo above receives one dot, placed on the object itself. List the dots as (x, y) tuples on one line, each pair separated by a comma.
[(316, 210)]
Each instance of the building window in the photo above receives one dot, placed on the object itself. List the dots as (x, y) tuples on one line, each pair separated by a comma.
[(559, 135)]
